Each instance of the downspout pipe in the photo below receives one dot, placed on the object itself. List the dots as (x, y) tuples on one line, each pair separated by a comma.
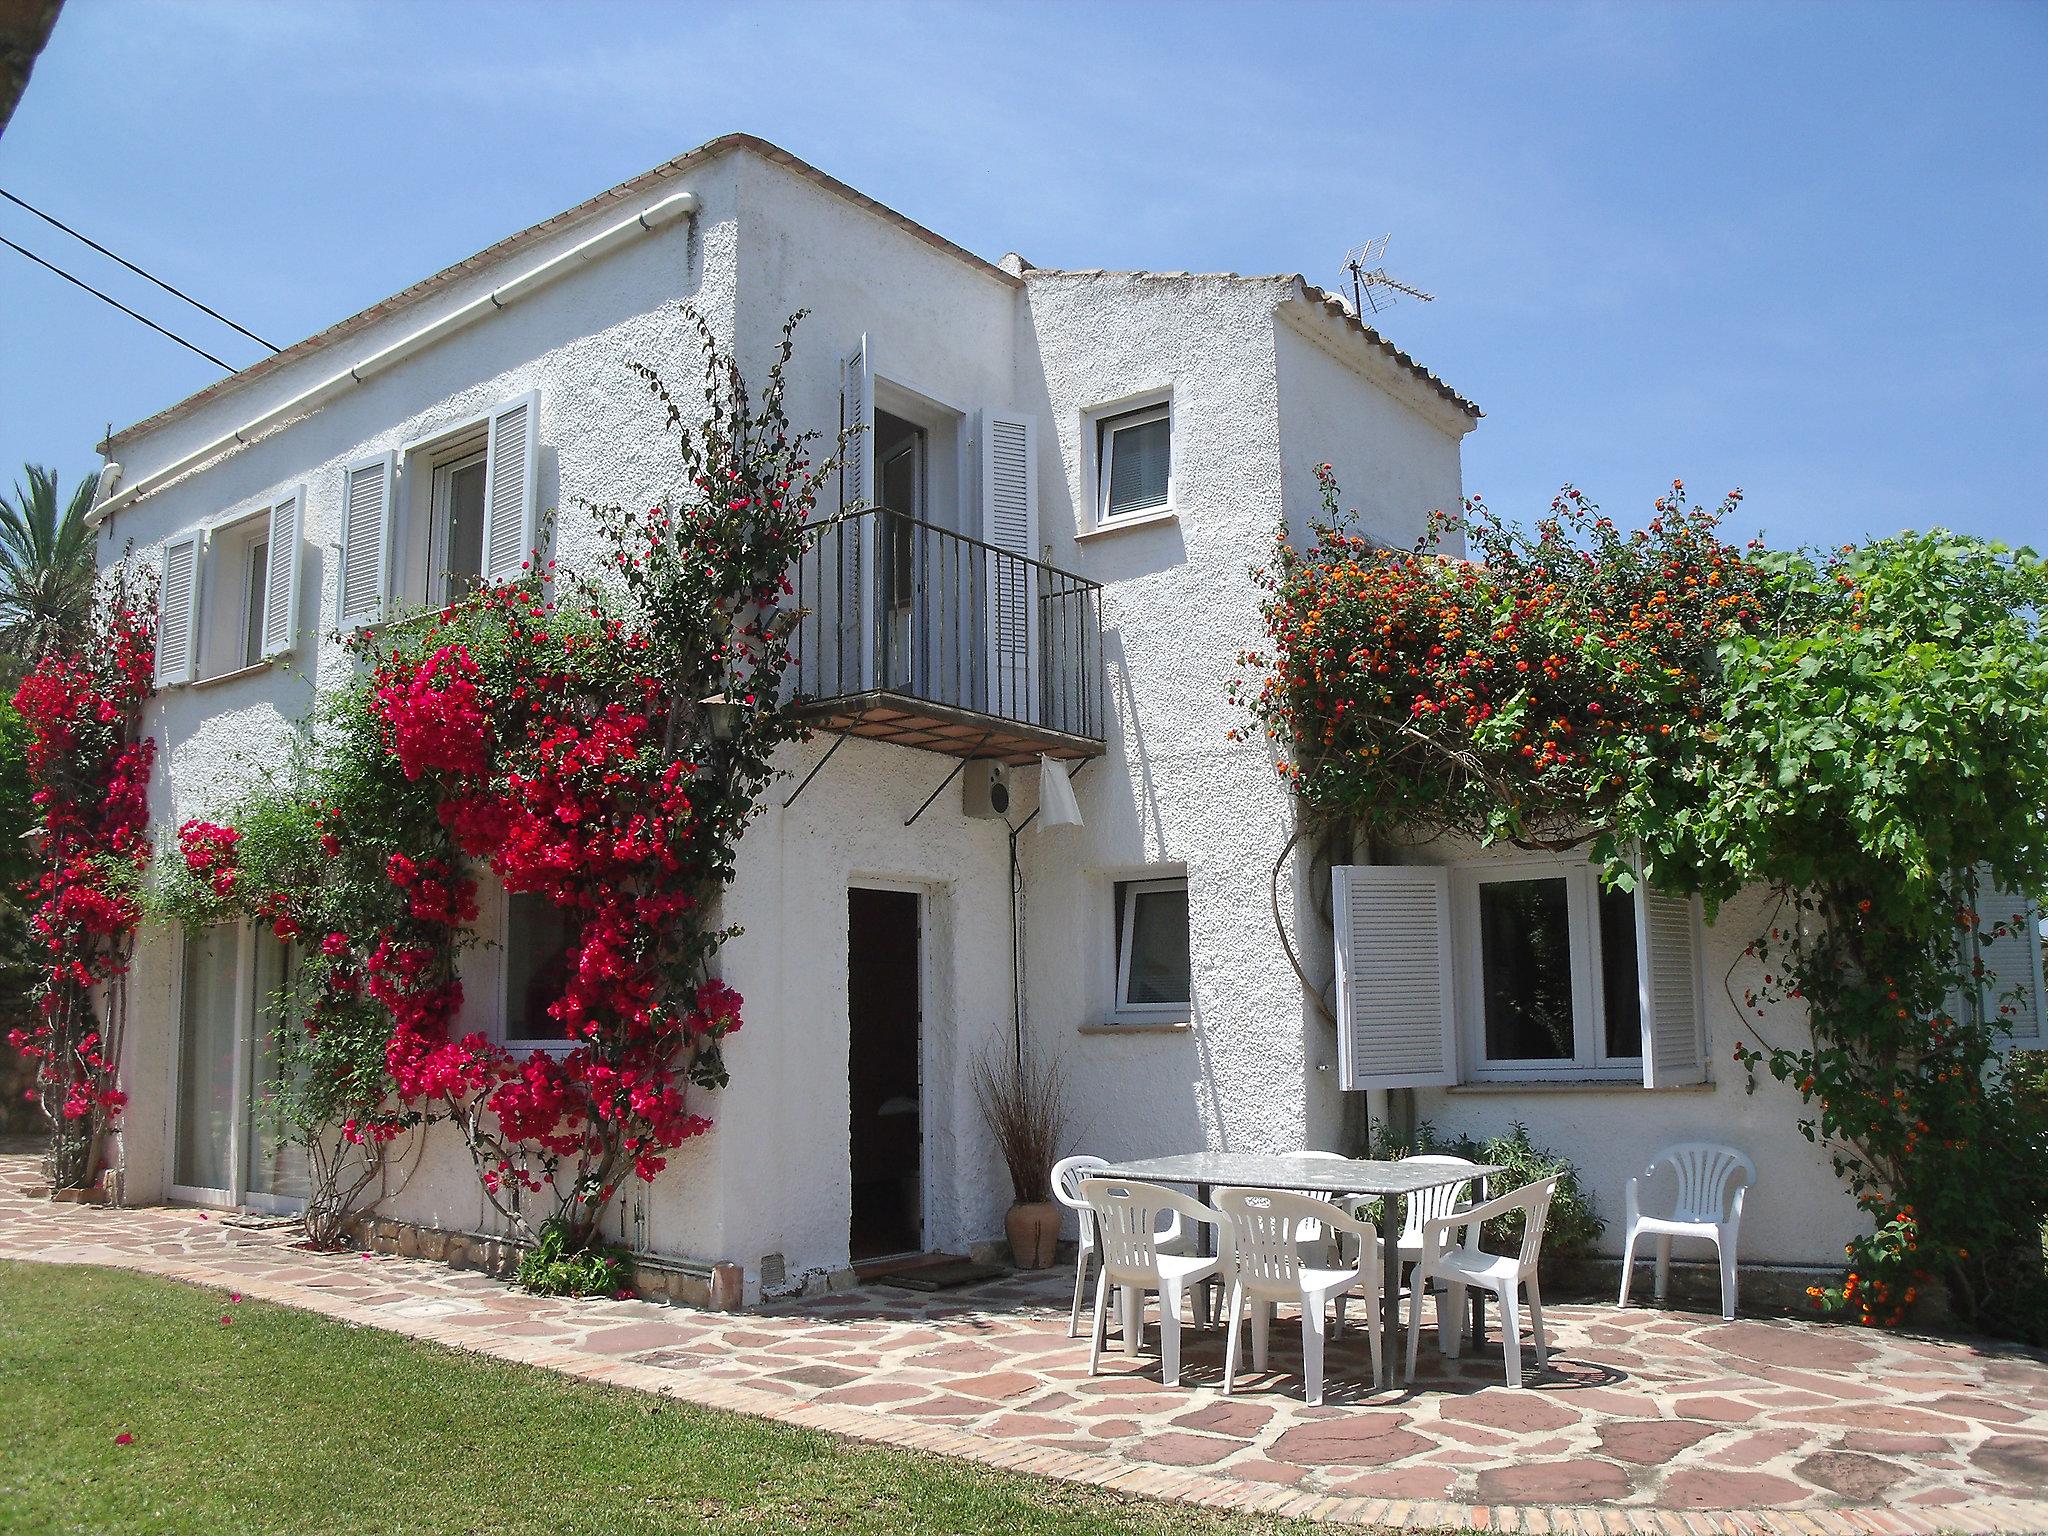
[(666, 212)]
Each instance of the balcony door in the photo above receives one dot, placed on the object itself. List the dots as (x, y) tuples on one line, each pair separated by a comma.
[(902, 474)]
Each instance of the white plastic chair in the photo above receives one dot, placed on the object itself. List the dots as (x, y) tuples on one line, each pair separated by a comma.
[(1128, 1232), (1280, 1245), (1703, 1208), (1067, 1174), (1457, 1267), (1428, 1204)]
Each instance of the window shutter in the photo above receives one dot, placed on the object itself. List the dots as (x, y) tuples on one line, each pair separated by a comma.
[(1668, 973), (1009, 510), (2012, 985), (1396, 1019), (281, 578), (177, 621), (857, 409), (365, 539), (855, 551), (511, 515)]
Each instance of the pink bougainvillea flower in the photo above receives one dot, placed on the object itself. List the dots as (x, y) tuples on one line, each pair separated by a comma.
[(225, 1319), (124, 1438), (234, 1295)]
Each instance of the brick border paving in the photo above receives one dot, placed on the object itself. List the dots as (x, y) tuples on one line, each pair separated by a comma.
[(617, 1342)]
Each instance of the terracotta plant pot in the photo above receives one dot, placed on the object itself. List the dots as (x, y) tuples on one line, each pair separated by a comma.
[(1034, 1230)]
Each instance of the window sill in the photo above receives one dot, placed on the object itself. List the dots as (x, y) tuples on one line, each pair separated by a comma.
[(1125, 524), (228, 677), (1139, 1027), (1572, 1085)]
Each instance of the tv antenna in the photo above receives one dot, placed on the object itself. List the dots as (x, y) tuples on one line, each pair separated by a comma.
[(1371, 289)]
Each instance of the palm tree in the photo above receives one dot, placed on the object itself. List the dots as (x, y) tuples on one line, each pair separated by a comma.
[(46, 565)]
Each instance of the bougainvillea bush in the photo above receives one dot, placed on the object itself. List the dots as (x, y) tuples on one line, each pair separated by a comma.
[(89, 766), (598, 743), (1863, 731)]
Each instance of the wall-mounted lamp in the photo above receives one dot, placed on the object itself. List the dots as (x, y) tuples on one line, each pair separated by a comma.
[(721, 717)]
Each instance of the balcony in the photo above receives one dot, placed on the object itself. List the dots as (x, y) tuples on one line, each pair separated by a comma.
[(915, 634)]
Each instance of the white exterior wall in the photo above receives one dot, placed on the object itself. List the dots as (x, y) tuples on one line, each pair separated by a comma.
[(1255, 1071)]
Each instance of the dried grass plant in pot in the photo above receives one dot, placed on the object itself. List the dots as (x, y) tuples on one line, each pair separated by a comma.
[(1025, 1104)]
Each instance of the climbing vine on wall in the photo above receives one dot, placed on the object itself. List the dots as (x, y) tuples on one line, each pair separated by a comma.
[(1864, 731), (599, 744), (90, 766)]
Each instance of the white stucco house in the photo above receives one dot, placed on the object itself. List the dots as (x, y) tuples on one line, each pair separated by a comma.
[(1119, 444)]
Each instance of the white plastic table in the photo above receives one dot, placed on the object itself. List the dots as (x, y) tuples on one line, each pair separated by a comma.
[(1389, 1182)]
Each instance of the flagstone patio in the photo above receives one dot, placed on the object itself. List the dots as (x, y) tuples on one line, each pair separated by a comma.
[(1674, 1423)]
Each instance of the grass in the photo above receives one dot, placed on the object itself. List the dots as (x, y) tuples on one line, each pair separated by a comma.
[(284, 1421)]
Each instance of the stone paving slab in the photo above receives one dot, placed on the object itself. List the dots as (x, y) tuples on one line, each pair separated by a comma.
[(1671, 1424)]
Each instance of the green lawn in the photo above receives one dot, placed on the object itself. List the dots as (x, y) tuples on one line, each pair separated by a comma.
[(283, 1421)]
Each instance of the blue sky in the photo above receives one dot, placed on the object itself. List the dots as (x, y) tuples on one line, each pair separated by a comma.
[(1798, 249)]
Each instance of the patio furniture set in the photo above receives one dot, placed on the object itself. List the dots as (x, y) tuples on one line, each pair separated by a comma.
[(1262, 1229)]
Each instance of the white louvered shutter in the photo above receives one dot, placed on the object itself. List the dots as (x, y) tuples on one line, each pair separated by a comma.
[(852, 551), (365, 540), (2013, 991), (1396, 1014), (1009, 511), (511, 504), (1668, 976), (281, 575), (177, 611)]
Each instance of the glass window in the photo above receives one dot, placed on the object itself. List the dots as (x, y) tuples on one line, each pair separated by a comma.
[(537, 934), (1620, 992), (277, 1167), (1525, 945), (256, 585), (203, 1157), (1153, 969), (1136, 454), (459, 527)]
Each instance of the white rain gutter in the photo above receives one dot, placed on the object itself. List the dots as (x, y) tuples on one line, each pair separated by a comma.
[(665, 212)]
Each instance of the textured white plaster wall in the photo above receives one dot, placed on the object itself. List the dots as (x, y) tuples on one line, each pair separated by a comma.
[(1178, 607)]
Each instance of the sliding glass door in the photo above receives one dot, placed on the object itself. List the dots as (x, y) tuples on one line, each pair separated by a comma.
[(225, 1143)]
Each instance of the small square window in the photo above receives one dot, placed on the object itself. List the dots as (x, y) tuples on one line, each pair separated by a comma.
[(1152, 964), (1134, 463), (537, 937)]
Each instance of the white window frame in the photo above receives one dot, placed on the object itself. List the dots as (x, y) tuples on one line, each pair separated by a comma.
[(248, 1018), (1122, 1010), (1590, 1060), (441, 470), (1100, 425), (254, 567), (553, 1045), (220, 650)]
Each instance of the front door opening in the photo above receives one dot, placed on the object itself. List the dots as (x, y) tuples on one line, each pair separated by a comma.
[(884, 1019)]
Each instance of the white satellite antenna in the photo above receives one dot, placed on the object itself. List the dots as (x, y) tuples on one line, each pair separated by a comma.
[(1372, 291)]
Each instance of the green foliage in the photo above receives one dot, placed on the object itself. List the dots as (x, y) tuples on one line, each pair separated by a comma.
[(47, 565), (1572, 1226), (556, 1266), (1864, 731)]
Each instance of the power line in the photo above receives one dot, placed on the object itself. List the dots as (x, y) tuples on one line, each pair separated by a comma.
[(167, 288), (88, 287)]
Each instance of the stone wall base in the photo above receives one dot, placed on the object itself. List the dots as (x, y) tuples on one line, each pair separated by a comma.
[(716, 1287)]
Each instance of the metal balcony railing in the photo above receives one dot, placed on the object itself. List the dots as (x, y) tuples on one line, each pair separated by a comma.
[(895, 608)]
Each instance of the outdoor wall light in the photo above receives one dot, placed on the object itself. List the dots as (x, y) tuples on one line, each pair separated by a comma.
[(721, 717)]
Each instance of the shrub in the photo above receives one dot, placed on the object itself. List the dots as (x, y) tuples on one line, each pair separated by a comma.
[(1572, 1225), (554, 1266)]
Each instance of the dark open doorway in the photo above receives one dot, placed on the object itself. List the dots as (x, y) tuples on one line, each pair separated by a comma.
[(884, 1018)]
